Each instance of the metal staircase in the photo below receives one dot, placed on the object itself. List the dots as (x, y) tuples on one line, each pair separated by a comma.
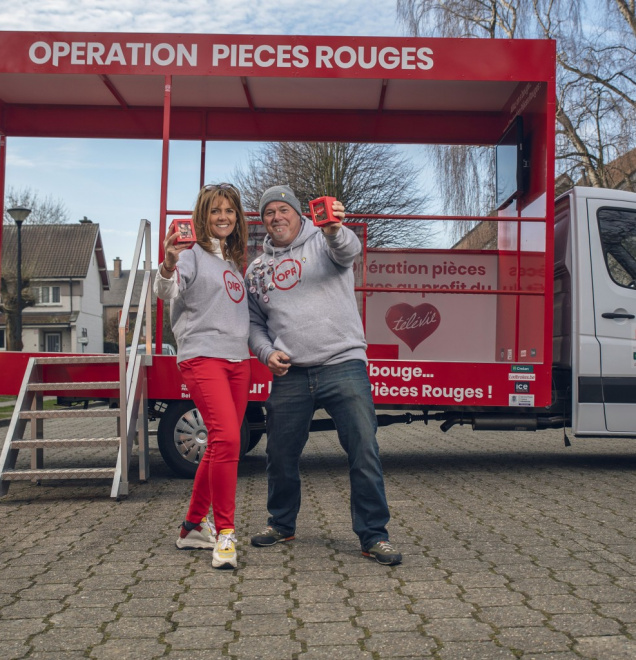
[(111, 377)]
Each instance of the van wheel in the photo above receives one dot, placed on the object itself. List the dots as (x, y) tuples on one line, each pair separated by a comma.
[(256, 418), (183, 438)]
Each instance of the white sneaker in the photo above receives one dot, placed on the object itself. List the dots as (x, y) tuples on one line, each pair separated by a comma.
[(201, 537), (224, 555), (210, 525)]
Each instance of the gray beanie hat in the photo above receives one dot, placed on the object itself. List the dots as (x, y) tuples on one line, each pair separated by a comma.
[(279, 194)]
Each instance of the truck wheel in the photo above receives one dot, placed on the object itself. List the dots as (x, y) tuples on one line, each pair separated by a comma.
[(183, 438), (256, 418)]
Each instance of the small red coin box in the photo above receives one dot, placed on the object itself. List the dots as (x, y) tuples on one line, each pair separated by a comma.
[(321, 210), (184, 227)]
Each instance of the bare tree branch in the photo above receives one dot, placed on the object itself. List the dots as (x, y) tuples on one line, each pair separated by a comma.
[(44, 211), (596, 88), (627, 10), (366, 178)]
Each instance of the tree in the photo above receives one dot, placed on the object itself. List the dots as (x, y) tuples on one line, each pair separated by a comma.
[(9, 304), (596, 104), (596, 82), (367, 178), (44, 211), (465, 18)]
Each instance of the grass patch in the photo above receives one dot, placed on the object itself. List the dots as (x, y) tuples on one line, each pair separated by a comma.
[(7, 411)]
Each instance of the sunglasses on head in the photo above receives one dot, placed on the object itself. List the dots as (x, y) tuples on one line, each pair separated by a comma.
[(219, 186)]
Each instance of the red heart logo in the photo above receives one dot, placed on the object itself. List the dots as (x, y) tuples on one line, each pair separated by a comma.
[(412, 324)]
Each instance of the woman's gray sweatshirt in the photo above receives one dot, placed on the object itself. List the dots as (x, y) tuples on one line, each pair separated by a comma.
[(302, 299), (208, 306)]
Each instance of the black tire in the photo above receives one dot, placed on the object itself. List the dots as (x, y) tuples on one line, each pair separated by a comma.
[(256, 418), (183, 438), (245, 437)]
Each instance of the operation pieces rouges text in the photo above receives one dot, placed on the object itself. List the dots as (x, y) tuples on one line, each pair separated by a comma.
[(97, 53)]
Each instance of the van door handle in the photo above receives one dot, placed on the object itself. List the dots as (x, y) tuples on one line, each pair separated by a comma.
[(614, 315)]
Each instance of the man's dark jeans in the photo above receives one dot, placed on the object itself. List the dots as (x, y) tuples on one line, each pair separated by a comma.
[(344, 391)]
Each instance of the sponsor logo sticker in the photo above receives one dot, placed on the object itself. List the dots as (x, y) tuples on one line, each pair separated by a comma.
[(522, 376), (521, 400)]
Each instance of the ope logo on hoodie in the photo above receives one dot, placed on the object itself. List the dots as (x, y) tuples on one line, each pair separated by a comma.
[(287, 274), (233, 286)]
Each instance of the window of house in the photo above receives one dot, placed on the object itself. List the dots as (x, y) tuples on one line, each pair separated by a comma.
[(48, 295), (2, 344)]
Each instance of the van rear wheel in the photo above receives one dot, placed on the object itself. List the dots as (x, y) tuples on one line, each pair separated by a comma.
[(183, 438)]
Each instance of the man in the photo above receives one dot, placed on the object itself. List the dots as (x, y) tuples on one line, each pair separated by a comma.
[(305, 326)]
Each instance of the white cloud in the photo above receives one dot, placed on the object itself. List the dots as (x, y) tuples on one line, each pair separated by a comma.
[(17, 159), (338, 17)]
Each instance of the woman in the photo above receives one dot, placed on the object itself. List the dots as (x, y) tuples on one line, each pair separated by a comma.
[(210, 321)]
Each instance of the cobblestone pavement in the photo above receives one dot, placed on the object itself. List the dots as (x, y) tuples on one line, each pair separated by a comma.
[(514, 547)]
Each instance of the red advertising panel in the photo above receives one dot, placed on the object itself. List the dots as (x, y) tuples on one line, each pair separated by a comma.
[(454, 384), (272, 56)]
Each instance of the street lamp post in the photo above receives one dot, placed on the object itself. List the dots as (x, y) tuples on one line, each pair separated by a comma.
[(19, 215)]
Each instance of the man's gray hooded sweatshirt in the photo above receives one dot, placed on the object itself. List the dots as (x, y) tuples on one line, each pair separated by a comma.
[(302, 300)]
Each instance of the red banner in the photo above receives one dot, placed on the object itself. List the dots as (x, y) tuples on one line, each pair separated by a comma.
[(275, 56)]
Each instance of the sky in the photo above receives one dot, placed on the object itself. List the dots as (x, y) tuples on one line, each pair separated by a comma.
[(115, 182)]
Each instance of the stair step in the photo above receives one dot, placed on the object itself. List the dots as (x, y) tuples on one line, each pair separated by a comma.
[(79, 359), (65, 442), (69, 414), (97, 385), (58, 473)]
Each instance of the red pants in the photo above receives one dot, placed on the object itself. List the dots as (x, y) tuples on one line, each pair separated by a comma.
[(219, 390)]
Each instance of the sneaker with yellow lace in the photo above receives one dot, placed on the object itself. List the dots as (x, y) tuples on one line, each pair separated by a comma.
[(224, 555)]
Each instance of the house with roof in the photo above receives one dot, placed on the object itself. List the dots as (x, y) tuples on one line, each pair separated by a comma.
[(65, 268), (114, 301)]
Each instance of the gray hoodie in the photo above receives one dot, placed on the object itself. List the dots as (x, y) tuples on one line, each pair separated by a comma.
[(302, 301), (208, 310)]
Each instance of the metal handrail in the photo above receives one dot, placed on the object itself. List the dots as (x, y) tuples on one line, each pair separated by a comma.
[(411, 216), (464, 292), (8, 456), (129, 372), (143, 235)]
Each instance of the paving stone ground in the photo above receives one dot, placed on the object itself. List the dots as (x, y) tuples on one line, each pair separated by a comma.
[(514, 545)]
